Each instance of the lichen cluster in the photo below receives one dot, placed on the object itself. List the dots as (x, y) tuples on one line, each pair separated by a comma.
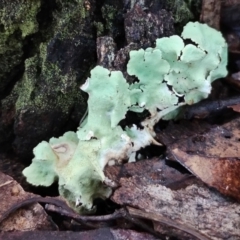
[(168, 76)]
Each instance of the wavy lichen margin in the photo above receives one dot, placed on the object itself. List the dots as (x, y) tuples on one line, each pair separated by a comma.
[(167, 73)]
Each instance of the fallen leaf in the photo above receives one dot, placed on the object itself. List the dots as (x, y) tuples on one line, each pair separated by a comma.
[(159, 221), (210, 152), (210, 108), (222, 174), (235, 108), (29, 218), (153, 170)]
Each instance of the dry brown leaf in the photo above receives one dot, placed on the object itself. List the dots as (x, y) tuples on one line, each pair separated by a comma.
[(186, 208), (151, 170), (222, 174), (29, 218), (210, 153), (235, 108)]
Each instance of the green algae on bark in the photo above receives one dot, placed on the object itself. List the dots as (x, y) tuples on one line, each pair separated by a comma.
[(18, 20)]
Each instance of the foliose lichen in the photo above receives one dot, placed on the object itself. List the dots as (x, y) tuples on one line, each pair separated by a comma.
[(172, 74)]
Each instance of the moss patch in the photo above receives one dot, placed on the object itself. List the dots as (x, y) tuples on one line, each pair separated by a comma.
[(18, 20), (43, 87)]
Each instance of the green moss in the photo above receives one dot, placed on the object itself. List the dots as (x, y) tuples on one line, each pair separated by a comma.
[(181, 11), (28, 84), (67, 17), (184, 11), (45, 86), (18, 20), (43, 83), (109, 13), (20, 15), (100, 28)]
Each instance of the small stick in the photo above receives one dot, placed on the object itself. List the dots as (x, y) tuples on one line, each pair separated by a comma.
[(130, 214), (62, 208), (53, 208), (121, 213), (32, 200), (6, 183)]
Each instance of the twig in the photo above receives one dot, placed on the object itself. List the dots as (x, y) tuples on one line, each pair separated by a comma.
[(64, 212), (129, 214), (33, 200), (121, 213), (6, 183)]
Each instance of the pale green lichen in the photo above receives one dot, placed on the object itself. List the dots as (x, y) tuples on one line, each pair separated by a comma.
[(190, 69), (167, 73)]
